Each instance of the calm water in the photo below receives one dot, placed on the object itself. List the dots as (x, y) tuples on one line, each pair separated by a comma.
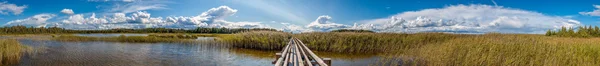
[(109, 35), (98, 53)]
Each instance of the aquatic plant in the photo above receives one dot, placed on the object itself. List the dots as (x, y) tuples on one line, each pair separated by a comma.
[(439, 48), (503, 50), (264, 40), (10, 52)]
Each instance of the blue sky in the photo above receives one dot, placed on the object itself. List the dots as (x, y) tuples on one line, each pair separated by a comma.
[(473, 16)]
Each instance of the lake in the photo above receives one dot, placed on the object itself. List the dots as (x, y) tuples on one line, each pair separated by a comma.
[(206, 53)]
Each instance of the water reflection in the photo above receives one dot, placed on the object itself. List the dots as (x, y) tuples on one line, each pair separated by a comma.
[(58, 53), (109, 35)]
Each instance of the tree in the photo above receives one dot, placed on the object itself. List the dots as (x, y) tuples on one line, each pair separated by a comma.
[(549, 32)]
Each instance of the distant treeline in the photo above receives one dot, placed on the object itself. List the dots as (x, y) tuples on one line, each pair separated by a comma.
[(352, 30), (582, 31), (38, 30)]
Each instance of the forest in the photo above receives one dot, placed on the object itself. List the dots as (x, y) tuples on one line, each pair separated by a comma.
[(582, 31)]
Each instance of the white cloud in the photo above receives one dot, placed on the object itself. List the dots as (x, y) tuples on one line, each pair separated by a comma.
[(294, 28), (129, 6), (593, 13), (6, 7), (219, 12), (67, 11), (468, 19), (35, 21), (323, 23), (211, 18)]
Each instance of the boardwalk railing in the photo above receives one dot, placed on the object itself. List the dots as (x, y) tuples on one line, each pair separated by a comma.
[(295, 53)]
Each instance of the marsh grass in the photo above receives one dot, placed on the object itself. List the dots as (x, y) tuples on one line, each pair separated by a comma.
[(262, 40), (440, 49), (11, 52), (134, 39), (341, 42), (352, 42), (502, 50)]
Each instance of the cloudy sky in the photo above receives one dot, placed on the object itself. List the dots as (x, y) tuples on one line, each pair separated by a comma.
[(456, 16)]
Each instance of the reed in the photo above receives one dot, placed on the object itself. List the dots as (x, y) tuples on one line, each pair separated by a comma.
[(263, 40), (352, 42), (11, 52), (435, 49), (502, 50), (342, 42)]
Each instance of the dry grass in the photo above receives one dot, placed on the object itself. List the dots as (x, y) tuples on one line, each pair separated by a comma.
[(503, 50), (263, 40), (350, 42), (438, 49), (11, 52)]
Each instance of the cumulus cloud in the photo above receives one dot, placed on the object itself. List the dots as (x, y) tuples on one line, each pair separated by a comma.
[(468, 19), (214, 17), (67, 11), (593, 13), (6, 7), (219, 12), (323, 23), (35, 21), (294, 28)]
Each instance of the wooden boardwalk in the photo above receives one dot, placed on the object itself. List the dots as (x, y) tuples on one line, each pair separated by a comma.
[(295, 53)]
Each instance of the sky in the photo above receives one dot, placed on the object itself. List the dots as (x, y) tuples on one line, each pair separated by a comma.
[(406, 16)]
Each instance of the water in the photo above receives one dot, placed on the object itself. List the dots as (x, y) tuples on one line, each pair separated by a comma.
[(99, 53), (109, 35)]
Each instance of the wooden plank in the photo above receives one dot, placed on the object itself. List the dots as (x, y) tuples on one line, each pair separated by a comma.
[(306, 59), (287, 58), (298, 56), (293, 55), (314, 56), (284, 53)]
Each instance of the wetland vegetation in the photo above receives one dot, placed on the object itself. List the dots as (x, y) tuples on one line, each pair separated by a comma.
[(10, 51), (440, 48), (561, 47)]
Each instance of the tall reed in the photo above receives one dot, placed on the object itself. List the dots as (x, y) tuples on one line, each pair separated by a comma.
[(351, 42), (439, 49), (502, 50), (264, 40), (11, 52)]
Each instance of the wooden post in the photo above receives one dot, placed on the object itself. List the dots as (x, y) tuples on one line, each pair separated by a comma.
[(277, 56), (327, 61)]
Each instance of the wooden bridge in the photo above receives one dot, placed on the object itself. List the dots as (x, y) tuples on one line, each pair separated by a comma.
[(295, 53)]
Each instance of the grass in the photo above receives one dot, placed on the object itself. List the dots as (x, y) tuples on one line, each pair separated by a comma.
[(263, 40), (11, 52), (134, 39), (351, 42), (435, 49), (503, 50)]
